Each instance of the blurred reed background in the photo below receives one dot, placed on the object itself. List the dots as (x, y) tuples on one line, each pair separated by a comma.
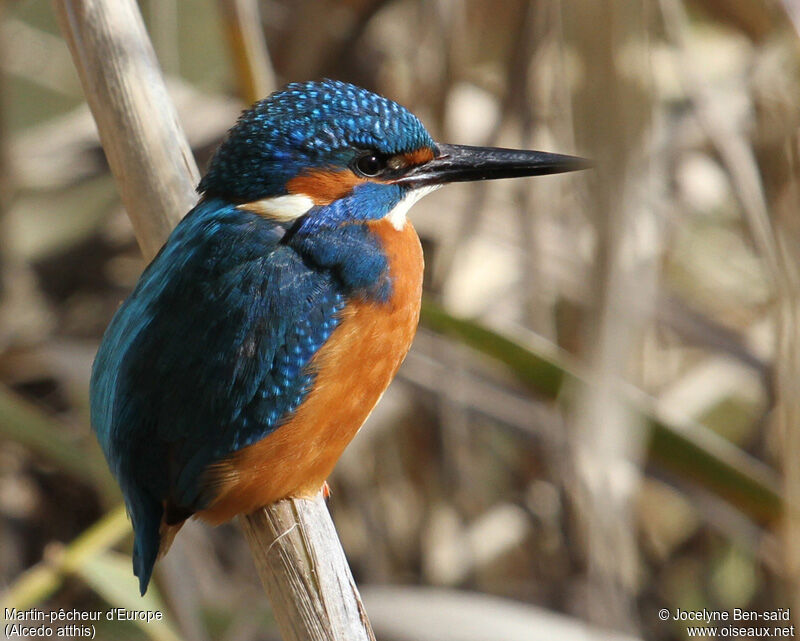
[(599, 417)]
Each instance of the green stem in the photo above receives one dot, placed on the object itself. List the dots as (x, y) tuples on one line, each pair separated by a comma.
[(688, 450)]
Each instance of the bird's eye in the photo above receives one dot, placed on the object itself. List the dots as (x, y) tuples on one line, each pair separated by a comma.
[(370, 164)]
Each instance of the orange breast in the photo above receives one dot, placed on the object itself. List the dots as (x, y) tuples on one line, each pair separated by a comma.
[(353, 369)]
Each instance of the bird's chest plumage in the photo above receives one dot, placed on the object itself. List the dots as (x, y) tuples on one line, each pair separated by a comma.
[(351, 371)]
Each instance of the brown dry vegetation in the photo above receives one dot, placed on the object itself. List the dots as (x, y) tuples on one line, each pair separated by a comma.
[(617, 428)]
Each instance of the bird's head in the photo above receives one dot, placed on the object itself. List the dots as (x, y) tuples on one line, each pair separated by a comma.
[(333, 154)]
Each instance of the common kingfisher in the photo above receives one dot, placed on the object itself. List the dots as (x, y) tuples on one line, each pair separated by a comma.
[(259, 339)]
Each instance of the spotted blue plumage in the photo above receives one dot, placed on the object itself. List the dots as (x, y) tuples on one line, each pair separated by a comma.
[(308, 125), (213, 349), (209, 354)]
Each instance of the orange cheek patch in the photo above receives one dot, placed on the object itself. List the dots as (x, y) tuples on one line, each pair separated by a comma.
[(324, 186), (419, 156)]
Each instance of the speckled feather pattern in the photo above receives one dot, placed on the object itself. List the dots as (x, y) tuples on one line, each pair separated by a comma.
[(214, 349), (309, 124)]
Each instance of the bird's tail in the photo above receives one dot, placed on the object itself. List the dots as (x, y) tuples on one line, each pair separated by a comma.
[(146, 515)]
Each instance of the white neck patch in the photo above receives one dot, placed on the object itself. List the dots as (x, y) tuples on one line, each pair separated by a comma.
[(283, 208), (291, 206), (397, 216)]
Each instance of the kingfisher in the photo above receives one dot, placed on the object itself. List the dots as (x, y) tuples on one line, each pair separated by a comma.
[(259, 339)]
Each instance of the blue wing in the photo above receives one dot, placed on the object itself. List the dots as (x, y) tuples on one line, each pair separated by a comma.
[(207, 355)]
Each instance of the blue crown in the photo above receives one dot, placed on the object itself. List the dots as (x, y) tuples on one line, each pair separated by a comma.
[(308, 124)]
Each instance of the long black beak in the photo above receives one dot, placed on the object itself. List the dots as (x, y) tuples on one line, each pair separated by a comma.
[(460, 163)]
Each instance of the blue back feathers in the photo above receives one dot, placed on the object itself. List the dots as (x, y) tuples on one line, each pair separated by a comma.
[(211, 351), (309, 124)]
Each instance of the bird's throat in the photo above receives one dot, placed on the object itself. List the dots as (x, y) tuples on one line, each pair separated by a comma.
[(397, 216)]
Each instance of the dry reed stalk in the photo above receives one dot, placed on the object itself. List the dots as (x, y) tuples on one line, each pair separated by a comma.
[(295, 546), (254, 73), (606, 452)]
